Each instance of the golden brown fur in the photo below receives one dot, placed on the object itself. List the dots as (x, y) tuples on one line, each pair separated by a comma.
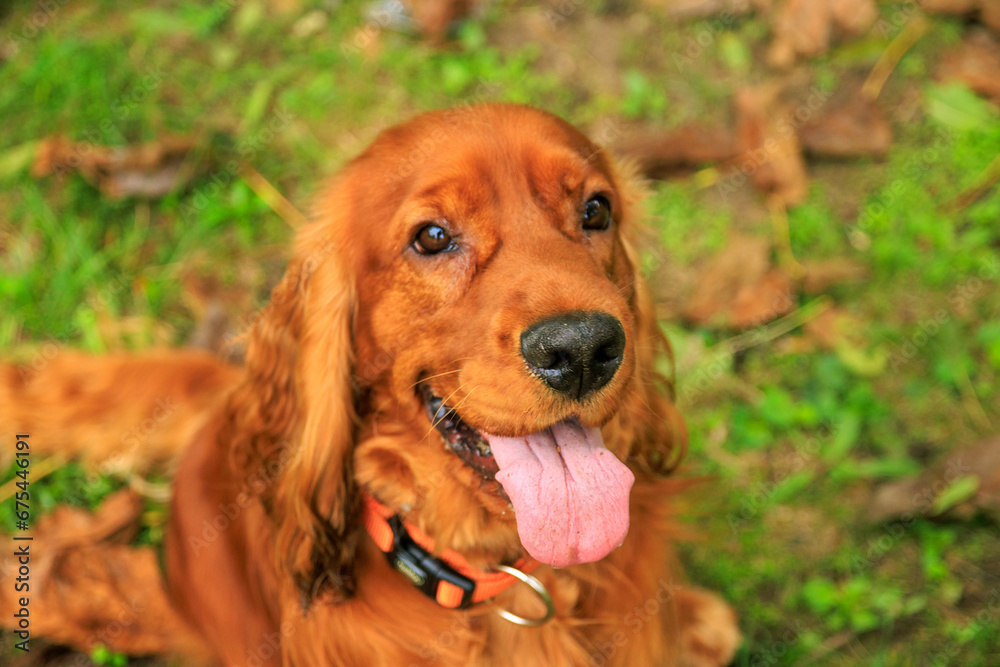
[(266, 553)]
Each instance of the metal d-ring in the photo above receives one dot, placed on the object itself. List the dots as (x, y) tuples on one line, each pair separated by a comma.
[(536, 586)]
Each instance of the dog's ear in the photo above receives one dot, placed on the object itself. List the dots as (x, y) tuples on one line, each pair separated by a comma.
[(293, 419), (658, 433)]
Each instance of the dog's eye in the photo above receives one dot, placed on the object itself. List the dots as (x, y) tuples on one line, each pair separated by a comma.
[(432, 239), (596, 214)]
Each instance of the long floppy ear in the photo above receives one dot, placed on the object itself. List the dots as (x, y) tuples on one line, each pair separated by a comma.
[(659, 433), (293, 419)]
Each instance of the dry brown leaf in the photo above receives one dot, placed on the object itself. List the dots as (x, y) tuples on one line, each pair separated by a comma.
[(832, 328), (435, 17), (660, 154), (988, 11), (742, 264), (765, 300), (148, 171), (916, 496), (87, 590), (990, 15), (801, 28), (805, 28), (976, 63), (855, 127), (853, 17), (767, 147)]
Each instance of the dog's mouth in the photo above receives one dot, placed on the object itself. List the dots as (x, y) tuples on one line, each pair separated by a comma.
[(569, 493), (467, 443)]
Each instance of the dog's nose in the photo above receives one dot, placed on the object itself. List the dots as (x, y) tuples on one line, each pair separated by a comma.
[(575, 353)]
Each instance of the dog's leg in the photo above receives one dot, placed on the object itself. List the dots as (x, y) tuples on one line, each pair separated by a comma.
[(709, 633)]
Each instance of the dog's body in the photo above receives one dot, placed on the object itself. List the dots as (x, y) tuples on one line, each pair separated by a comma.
[(415, 353)]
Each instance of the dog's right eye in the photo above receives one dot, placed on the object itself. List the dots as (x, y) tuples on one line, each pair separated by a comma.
[(432, 239)]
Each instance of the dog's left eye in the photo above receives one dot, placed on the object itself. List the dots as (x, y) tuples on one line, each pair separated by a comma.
[(597, 214), (432, 239)]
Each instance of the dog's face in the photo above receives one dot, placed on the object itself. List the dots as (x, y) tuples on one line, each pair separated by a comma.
[(496, 326), (495, 297), (503, 225)]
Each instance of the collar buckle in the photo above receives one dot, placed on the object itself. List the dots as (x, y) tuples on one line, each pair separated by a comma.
[(422, 569)]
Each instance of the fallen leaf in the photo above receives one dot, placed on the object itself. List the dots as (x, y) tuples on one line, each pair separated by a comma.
[(767, 146), (847, 336), (437, 17), (147, 171), (854, 126), (829, 327), (801, 28), (763, 301), (988, 11), (805, 28), (853, 17), (89, 590), (990, 15), (964, 483), (976, 63), (738, 288), (660, 154)]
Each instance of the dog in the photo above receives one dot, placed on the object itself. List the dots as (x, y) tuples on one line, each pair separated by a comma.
[(449, 443)]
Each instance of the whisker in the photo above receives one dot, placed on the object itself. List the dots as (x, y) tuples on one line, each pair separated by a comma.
[(431, 377), (466, 397), (434, 423)]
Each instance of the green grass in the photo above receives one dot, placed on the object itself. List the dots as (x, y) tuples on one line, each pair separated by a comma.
[(795, 439)]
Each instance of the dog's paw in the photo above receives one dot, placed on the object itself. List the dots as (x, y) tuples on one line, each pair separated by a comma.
[(709, 631)]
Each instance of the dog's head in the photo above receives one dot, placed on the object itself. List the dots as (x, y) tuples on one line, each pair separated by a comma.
[(462, 332)]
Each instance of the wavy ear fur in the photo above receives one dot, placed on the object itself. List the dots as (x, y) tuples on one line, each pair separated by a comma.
[(293, 418), (658, 432)]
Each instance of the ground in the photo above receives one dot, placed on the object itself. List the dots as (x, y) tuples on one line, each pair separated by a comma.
[(792, 434)]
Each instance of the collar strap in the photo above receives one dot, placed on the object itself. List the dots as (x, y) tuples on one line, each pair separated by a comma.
[(448, 578)]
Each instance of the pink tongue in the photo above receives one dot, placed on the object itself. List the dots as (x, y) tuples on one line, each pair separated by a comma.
[(570, 494)]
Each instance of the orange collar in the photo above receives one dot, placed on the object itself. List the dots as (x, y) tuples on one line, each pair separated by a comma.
[(448, 578)]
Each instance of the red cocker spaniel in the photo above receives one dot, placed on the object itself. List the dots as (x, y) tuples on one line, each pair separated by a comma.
[(450, 444)]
